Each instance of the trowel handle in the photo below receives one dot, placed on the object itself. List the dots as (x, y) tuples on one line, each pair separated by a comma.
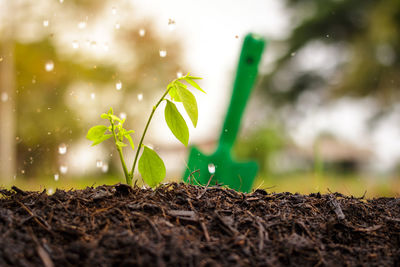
[(250, 56)]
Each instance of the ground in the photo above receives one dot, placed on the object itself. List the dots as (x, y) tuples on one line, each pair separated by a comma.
[(183, 225)]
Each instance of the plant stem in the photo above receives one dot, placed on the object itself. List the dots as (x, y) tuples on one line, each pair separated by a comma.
[(145, 130), (128, 177)]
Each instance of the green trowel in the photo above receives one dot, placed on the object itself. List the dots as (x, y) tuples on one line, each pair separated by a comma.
[(220, 168)]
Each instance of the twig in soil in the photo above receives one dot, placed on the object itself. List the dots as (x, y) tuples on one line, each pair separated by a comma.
[(205, 188), (153, 226), (192, 176), (19, 191), (43, 224), (184, 214), (338, 210), (44, 256), (205, 231)]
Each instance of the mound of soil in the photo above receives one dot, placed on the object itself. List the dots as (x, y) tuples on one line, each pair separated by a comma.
[(183, 225)]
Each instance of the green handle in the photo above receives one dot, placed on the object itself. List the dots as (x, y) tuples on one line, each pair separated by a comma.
[(250, 56)]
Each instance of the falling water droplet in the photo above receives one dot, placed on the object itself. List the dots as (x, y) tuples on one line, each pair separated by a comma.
[(114, 10), (171, 24), (293, 54), (82, 25), (179, 74), (63, 169), (142, 32), (118, 85), (211, 168), (163, 53), (50, 191), (4, 97), (92, 96), (140, 97), (327, 36), (62, 149), (22, 171), (75, 44), (104, 168), (99, 163), (56, 177), (61, 1), (122, 115), (117, 26), (1, 59), (45, 23), (49, 66)]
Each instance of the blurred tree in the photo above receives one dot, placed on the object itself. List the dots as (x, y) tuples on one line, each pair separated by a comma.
[(339, 48), (50, 109)]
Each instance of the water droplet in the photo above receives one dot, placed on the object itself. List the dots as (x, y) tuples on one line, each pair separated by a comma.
[(122, 115), (211, 168), (48, 133), (63, 169), (4, 97), (226, 130), (22, 171), (82, 25), (293, 54), (179, 74), (34, 79), (49, 66), (56, 177), (62, 149), (140, 97), (104, 168), (50, 191), (45, 23), (92, 96), (61, 1), (114, 10), (99, 163), (163, 53), (171, 24), (1, 59), (142, 32), (118, 85), (327, 36), (75, 44), (117, 26)]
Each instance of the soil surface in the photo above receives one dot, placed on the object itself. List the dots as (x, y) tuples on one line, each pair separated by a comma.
[(183, 225)]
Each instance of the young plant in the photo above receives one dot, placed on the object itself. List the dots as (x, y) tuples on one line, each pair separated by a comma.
[(151, 166)]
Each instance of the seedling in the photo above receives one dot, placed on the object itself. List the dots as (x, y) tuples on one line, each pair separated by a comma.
[(151, 166)]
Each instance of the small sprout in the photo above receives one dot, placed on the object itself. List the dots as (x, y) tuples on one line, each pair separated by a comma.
[(151, 166)]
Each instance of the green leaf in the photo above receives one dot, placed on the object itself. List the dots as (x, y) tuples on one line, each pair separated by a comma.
[(115, 118), (189, 103), (151, 167), (96, 132), (176, 123), (101, 139), (173, 93), (192, 83), (194, 78), (120, 144), (104, 116), (127, 136)]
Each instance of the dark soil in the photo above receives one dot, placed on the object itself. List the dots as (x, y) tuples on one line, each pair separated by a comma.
[(182, 225)]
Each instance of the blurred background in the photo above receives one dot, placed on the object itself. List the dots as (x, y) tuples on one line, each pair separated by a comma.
[(324, 115)]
